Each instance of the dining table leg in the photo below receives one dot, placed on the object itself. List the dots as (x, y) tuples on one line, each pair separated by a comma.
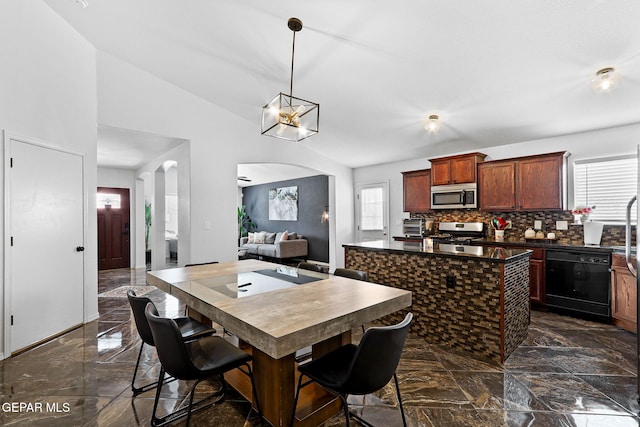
[(276, 380)]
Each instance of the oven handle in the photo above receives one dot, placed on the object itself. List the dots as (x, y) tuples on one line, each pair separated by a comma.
[(627, 238)]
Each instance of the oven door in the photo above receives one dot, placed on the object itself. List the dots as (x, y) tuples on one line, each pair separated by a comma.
[(578, 286), (454, 197)]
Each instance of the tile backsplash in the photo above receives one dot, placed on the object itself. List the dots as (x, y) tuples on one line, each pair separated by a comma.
[(612, 235)]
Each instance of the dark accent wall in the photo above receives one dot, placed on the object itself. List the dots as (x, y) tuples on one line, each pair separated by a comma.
[(313, 198)]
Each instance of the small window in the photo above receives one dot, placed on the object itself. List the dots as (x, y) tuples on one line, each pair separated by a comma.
[(608, 184), (372, 208), (108, 201)]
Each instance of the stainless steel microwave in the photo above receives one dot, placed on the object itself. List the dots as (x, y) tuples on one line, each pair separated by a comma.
[(455, 196)]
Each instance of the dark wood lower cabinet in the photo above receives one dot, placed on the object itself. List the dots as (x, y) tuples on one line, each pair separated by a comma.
[(536, 275)]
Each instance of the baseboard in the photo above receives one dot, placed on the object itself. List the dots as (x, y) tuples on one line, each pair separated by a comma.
[(92, 317)]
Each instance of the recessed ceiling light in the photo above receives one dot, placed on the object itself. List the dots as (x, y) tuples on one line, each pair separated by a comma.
[(83, 3)]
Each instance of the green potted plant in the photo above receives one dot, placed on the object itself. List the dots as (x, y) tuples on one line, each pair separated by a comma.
[(147, 229), (244, 222)]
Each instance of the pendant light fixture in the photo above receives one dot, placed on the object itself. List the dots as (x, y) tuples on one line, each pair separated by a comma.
[(606, 80), (286, 116)]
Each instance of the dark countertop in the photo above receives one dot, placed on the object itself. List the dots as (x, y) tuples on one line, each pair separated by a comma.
[(485, 252), (549, 244)]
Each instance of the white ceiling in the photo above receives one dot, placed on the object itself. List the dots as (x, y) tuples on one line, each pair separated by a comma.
[(497, 71), (263, 173), (127, 149)]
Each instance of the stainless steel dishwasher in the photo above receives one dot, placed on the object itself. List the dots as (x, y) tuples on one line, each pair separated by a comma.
[(578, 281)]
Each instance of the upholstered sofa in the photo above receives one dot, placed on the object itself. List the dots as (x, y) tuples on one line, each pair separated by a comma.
[(271, 245)]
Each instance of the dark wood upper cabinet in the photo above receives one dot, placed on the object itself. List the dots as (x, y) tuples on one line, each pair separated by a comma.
[(417, 190), (460, 169), (497, 185), (523, 184), (539, 183)]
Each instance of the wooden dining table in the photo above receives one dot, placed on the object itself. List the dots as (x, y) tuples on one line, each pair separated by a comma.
[(274, 311)]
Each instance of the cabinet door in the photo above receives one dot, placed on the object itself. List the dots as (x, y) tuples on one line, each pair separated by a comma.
[(623, 299), (440, 172), (497, 186), (539, 183), (536, 281), (417, 190), (463, 170)]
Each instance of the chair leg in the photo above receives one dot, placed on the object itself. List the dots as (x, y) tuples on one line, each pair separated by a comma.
[(295, 400), (345, 407), (147, 387), (154, 418), (193, 392), (138, 390), (255, 392), (404, 420)]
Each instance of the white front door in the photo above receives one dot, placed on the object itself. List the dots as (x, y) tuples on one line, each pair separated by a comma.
[(372, 210), (45, 228)]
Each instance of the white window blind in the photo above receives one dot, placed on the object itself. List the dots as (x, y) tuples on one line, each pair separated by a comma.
[(371, 207), (608, 184)]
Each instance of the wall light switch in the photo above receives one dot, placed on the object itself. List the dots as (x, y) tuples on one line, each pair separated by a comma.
[(537, 224), (562, 225), (207, 225)]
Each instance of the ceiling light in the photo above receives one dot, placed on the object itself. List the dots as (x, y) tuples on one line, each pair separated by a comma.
[(606, 80), (83, 3), (286, 116), (432, 123)]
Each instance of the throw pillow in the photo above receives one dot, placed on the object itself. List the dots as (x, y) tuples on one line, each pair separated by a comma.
[(270, 238), (285, 235), (278, 236), (259, 237), (293, 236), (251, 238)]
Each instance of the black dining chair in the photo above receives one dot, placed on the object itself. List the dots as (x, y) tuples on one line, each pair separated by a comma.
[(196, 360), (351, 274), (359, 369), (189, 329), (311, 267)]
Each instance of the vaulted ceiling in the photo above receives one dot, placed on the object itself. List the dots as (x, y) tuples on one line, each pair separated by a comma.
[(496, 71)]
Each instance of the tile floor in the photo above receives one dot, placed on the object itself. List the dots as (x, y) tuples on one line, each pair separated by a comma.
[(569, 372)]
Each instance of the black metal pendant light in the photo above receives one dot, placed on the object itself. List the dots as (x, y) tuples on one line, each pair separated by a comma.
[(288, 117)]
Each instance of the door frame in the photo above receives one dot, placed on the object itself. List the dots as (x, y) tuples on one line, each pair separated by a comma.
[(385, 208), (7, 137), (129, 208)]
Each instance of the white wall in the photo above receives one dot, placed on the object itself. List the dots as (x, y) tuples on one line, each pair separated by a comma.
[(601, 143), (123, 178), (48, 87), (133, 99)]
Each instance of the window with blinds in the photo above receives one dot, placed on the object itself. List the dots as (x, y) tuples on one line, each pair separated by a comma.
[(608, 184)]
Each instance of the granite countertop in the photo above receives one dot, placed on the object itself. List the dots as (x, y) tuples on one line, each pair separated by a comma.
[(487, 252), (548, 244)]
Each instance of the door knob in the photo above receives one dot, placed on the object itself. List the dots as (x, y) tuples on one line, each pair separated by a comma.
[(79, 248)]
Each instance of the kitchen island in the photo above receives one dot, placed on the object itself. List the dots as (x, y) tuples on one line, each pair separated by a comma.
[(471, 298)]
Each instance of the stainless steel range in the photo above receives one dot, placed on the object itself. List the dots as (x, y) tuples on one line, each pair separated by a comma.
[(459, 232)]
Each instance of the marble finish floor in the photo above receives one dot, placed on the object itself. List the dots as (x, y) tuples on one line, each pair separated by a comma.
[(569, 372)]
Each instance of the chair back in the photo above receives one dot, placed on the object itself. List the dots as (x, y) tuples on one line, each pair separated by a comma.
[(376, 358), (170, 346), (138, 305), (352, 274), (311, 267)]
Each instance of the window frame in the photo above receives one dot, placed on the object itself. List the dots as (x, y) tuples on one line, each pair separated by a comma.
[(592, 160)]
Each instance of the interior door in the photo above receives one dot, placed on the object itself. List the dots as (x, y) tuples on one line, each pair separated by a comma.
[(113, 228), (372, 209), (45, 259)]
